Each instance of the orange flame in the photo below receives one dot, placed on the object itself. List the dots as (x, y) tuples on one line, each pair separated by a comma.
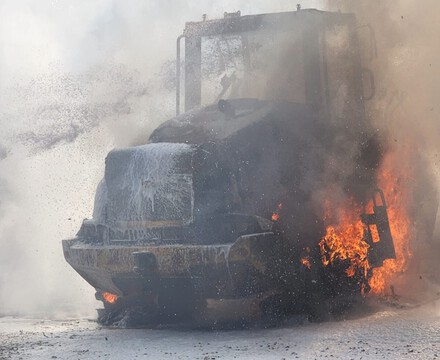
[(276, 215), (109, 298), (395, 181), (345, 240), (306, 262)]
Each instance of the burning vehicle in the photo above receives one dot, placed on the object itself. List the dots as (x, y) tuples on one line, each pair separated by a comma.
[(226, 213)]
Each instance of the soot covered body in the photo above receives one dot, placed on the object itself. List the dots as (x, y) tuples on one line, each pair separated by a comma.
[(219, 216)]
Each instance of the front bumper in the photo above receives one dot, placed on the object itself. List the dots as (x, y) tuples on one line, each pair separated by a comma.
[(245, 267)]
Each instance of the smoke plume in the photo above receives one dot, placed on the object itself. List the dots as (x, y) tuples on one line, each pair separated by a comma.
[(406, 68)]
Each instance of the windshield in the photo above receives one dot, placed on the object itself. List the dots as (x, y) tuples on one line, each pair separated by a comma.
[(267, 65)]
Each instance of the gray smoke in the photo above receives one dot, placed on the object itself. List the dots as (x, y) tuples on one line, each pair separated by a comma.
[(407, 70)]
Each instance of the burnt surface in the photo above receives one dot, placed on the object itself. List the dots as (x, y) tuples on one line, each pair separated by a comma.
[(221, 213), (238, 161), (253, 155)]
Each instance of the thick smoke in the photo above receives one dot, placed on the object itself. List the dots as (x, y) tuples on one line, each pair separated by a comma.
[(77, 79), (407, 70)]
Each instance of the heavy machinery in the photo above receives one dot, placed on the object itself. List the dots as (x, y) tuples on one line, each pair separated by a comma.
[(211, 219)]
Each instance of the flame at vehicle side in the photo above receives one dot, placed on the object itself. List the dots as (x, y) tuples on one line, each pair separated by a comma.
[(345, 232), (344, 240), (395, 180)]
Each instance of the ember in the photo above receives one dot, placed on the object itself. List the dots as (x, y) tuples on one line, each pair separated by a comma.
[(275, 217), (109, 298), (276, 214), (306, 262)]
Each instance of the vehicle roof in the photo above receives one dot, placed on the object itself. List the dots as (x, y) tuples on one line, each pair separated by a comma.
[(228, 117), (239, 24)]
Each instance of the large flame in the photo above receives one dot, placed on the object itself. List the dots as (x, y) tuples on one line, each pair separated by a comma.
[(395, 181), (344, 238)]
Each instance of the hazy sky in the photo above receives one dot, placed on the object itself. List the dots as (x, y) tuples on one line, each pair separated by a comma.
[(37, 34)]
